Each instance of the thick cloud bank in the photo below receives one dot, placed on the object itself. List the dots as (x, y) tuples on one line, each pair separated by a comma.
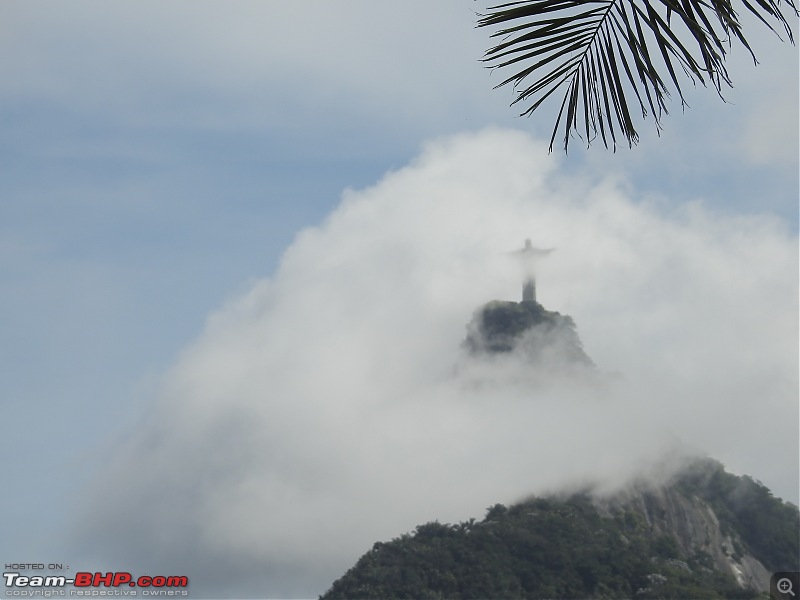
[(324, 409)]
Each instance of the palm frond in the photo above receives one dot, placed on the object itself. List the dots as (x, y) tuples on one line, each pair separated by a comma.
[(616, 57)]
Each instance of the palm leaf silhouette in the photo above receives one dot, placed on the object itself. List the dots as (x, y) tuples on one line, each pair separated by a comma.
[(616, 57)]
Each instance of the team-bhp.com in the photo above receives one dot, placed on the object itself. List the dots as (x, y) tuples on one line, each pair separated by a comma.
[(89, 584)]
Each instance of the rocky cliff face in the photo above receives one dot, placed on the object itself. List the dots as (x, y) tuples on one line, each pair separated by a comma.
[(695, 527)]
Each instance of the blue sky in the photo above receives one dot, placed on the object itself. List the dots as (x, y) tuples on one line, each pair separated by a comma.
[(158, 160)]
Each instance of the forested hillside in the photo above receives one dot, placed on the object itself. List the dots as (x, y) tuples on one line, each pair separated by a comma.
[(707, 534)]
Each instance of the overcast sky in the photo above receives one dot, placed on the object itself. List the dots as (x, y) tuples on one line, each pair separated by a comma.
[(239, 249)]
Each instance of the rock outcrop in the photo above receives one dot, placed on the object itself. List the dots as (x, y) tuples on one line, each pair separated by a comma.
[(528, 330), (693, 524)]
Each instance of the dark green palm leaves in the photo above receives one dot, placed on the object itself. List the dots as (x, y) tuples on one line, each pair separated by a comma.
[(616, 58)]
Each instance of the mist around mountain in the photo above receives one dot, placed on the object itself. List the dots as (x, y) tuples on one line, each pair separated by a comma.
[(329, 406), (696, 532)]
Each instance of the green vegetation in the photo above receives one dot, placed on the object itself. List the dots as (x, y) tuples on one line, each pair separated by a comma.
[(768, 527), (568, 548)]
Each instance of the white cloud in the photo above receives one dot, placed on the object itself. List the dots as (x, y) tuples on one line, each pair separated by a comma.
[(259, 64), (321, 411)]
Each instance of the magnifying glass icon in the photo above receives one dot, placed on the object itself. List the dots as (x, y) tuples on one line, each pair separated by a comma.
[(785, 586)]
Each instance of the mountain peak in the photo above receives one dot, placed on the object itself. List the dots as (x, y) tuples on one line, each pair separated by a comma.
[(526, 329)]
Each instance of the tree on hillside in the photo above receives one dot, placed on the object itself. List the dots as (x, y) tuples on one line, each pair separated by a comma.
[(614, 58)]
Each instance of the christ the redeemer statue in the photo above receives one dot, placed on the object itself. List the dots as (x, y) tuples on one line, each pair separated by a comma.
[(528, 256)]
